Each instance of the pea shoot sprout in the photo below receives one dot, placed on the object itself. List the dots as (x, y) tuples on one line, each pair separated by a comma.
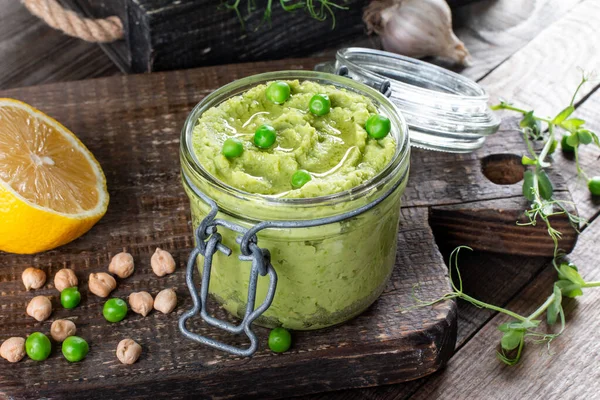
[(538, 189), (317, 9)]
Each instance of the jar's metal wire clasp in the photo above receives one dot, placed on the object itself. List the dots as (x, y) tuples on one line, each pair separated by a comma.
[(208, 242)]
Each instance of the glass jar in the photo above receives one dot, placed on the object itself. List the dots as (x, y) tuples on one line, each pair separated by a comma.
[(326, 274), (445, 111)]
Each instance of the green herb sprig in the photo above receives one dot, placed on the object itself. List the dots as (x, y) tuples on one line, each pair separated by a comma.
[(538, 189), (317, 9)]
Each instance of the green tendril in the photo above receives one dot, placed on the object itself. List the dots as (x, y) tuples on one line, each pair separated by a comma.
[(538, 189)]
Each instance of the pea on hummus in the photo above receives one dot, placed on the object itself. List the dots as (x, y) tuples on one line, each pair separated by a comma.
[(326, 274), (335, 148)]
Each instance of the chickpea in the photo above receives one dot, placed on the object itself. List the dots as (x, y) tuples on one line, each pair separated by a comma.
[(62, 329), (141, 302), (165, 301), (162, 262), (101, 284), (121, 265), (65, 278), (128, 351), (40, 308), (13, 349), (33, 278)]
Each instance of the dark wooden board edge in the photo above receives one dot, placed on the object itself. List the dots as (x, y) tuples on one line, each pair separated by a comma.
[(312, 372)]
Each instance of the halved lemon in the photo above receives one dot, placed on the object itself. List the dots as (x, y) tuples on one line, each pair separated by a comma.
[(52, 189)]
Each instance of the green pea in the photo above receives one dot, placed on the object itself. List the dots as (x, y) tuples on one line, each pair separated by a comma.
[(280, 340), (278, 92), (565, 145), (265, 136), (70, 297), (232, 148), (319, 104), (594, 185), (378, 126), (114, 310), (75, 348), (38, 346), (300, 178)]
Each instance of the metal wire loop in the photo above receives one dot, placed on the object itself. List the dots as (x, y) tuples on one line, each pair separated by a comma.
[(208, 242)]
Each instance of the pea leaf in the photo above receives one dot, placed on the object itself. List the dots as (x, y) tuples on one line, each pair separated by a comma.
[(546, 188), (568, 288), (527, 161), (572, 124), (573, 140), (595, 137), (569, 272), (530, 122), (528, 185), (555, 306), (512, 339), (505, 327), (584, 136), (564, 114)]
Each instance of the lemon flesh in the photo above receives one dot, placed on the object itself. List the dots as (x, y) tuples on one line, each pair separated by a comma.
[(52, 189)]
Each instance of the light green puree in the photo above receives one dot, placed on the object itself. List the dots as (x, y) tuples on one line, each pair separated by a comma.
[(326, 274)]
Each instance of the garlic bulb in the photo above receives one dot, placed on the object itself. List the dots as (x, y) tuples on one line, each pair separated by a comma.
[(416, 28)]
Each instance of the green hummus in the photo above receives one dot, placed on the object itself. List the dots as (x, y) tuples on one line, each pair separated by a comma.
[(326, 274), (335, 149)]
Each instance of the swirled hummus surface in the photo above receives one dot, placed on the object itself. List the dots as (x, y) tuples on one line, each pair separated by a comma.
[(335, 148)]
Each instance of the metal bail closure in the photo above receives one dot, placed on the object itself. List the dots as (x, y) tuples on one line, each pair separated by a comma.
[(208, 242)]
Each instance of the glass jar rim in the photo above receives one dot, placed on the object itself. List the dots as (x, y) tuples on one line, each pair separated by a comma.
[(399, 129), (444, 110)]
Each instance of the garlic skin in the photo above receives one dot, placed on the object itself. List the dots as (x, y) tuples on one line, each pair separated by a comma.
[(416, 28)]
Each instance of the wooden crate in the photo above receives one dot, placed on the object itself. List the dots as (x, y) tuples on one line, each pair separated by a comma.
[(165, 35)]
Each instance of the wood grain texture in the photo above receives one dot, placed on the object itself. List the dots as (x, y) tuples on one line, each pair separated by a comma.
[(493, 30), (165, 35), (132, 125), (497, 278), (567, 372), (33, 53), (544, 73)]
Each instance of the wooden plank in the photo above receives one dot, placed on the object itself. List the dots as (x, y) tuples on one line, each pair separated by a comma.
[(33, 53), (568, 371), (544, 73), (497, 278), (131, 112), (132, 125), (493, 30), (190, 33)]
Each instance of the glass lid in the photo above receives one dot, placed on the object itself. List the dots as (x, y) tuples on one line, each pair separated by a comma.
[(444, 110)]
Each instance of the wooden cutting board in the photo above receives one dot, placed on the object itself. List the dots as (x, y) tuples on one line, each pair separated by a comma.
[(132, 124)]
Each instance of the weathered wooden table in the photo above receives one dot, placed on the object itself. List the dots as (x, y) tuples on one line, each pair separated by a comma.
[(527, 52)]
